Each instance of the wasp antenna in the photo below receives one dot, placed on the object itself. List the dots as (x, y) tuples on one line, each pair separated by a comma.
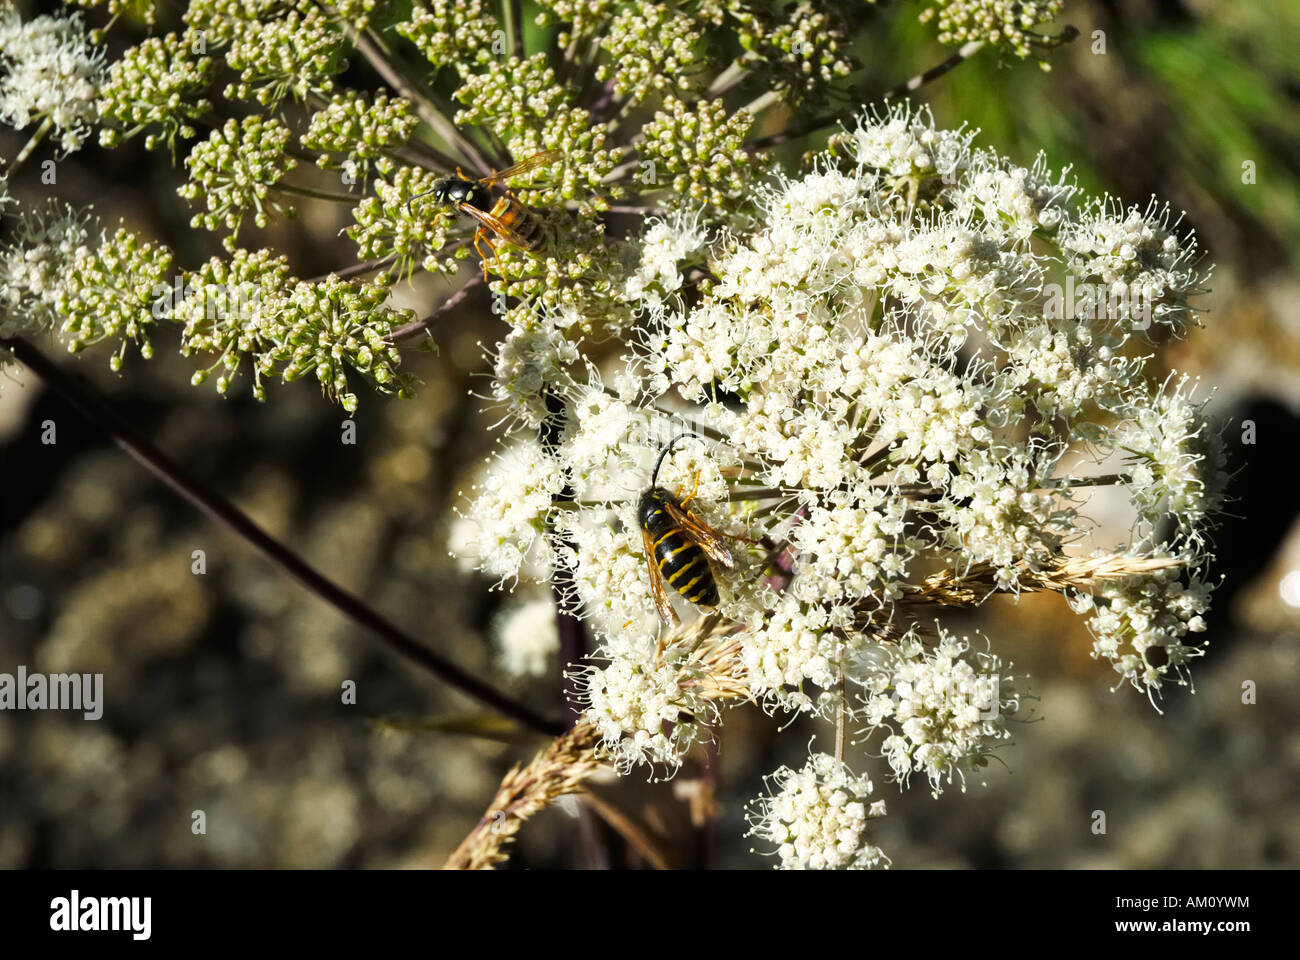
[(667, 450), (422, 193)]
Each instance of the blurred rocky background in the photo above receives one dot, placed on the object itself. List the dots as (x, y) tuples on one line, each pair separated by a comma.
[(223, 690)]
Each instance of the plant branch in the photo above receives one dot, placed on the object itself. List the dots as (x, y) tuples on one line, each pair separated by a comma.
[(908, 86), (318, 194), (761, 102), (221, 510), (728, 78), (1102, 480), (512, 15), (356, 269), (29, 147), (639, 835)]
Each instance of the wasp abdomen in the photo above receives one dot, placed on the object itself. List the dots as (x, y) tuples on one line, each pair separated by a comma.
[(681, 562), (520, 219)]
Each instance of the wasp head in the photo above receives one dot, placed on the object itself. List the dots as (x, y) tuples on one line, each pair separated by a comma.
[(651, 501)]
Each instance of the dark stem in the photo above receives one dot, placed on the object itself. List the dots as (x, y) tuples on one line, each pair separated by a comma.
[(221, 510), (908, 86), (574, 641), (356, 269), (605, 103), (513, 15)]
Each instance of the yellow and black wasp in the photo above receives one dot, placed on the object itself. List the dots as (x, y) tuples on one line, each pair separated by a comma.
[(503, 216), (679, 545)]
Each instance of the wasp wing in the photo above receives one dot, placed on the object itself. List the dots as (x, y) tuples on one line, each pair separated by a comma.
[(666, 611), (711, 541), (543, 159), (496, 226)]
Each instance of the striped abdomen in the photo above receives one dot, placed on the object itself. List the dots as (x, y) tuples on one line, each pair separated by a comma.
[(682, 564), (521, 220)]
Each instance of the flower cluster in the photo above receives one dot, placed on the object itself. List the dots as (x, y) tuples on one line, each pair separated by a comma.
[(357, 134), (395, 224), (111, 292), (458, 33), (817, 816), (807, 50), (276, 50), (235, 171), (1142, 626), (521, 101), (879, 385), (648, 709), (59, 270), (946, 707), (1137, 250), (35, 263), (666, 246), (1179, 472), (49, 73), (505, 530), (699, 151), (248, 306), (1001, 22), (160, 82), (652, 47), (526, 637)]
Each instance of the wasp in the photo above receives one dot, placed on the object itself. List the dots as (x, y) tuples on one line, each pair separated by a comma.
[(679, 545), (504, 216)]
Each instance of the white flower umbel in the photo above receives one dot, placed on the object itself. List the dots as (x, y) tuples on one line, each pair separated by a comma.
[(530, 358), (1019, 201), (35, 264), (897, 382), (1177, 463), (795, 647), (48, 71), (904, 145), (818, 817), (1137, 250), (504, 525), (855, 550), (648, 708), (1141, 625), (943, 708), (905, 373), (664, 246), (995, 515)]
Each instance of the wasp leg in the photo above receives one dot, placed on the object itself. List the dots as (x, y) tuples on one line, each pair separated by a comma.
[(480, 241), (737, 536), (695, 489)]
